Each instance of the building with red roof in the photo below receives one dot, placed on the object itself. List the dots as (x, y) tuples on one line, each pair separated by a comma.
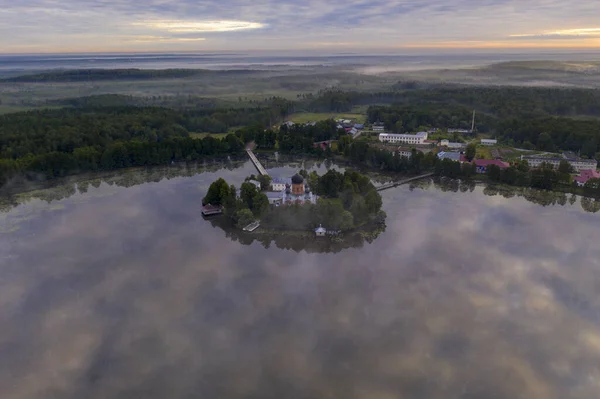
[(483, 164), (586, 175)]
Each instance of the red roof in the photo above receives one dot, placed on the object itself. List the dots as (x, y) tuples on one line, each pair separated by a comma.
[(586, 175), (487, 162)]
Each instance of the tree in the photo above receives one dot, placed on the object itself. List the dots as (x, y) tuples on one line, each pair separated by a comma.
[(347, 221), (565, 167), (217, 192), (344, 144), (247, 193), (493, 172), (260, 204), (545, 142), (373, 202), (243, 217), (592, 188), (470, 152), (265, 182)]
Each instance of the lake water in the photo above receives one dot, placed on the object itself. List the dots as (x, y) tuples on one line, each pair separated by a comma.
[(126, 292)]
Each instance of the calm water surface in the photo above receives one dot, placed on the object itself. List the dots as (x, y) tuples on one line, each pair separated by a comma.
[(128, 293)]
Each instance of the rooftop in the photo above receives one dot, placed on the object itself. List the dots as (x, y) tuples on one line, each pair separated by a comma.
[(454, 156), (297, 179), (488, 162), (281, 180)]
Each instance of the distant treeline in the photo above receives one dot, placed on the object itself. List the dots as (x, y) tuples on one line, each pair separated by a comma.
[(52, 143), (402, 118), (121, 100), (85, 75), (501, 102), (63, 130)]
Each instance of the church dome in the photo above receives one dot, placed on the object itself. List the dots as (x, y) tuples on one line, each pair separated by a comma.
[(297, 179)]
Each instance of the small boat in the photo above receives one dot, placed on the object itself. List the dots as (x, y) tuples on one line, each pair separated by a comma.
[(252, 226)]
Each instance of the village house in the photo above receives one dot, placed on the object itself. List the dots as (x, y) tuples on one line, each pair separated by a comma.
[(320, 231), (586, 175), (449, 144), (378, 127), (488, 142), (453, 156), (418, 138), (482, 164)]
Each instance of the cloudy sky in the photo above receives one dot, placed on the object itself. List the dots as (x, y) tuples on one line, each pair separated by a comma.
[(197, 25)]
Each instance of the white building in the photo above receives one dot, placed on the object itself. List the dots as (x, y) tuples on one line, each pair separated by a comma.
[(414, 139), (449, 144), (404, 153), (275, 198), (378, 127), (577, 163), (320, 231), (488, 142), (279, 184)]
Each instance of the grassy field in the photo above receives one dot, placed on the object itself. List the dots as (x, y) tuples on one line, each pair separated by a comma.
[(304, 117), (199, 136)]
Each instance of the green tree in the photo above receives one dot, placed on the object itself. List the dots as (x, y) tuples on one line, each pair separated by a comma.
[(565, 167), (243, 217), (470, 152), (545, 142), (344, 143), (592, 188), (265, 182), (373, 202), (347, 221), (247, 193), (493, 172), (260, 204), (217, 192)]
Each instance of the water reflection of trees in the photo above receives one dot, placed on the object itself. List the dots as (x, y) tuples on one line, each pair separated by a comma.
[(64, 188), (298, 243), (536, 196)]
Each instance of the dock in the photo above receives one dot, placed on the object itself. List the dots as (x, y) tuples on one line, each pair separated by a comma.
[(252, 226), (210, 210), (401, 182), (257, 163)]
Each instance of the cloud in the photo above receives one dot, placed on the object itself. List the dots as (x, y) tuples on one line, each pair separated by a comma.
[(162, 39), (85, 25), (200, 26), (561, 34)]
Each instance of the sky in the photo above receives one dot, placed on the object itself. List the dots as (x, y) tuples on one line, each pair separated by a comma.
[(233, 25)]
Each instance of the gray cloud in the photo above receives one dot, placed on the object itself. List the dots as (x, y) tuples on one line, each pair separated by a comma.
[(287, 24)]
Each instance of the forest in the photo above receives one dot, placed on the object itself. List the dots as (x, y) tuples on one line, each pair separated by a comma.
[(89, 75)]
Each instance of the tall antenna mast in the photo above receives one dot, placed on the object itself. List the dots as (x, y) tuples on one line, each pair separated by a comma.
[(473, 124)]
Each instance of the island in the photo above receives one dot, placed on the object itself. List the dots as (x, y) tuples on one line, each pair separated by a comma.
[(331, 205)]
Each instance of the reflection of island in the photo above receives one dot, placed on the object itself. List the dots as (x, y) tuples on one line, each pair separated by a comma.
[(301, 242)]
